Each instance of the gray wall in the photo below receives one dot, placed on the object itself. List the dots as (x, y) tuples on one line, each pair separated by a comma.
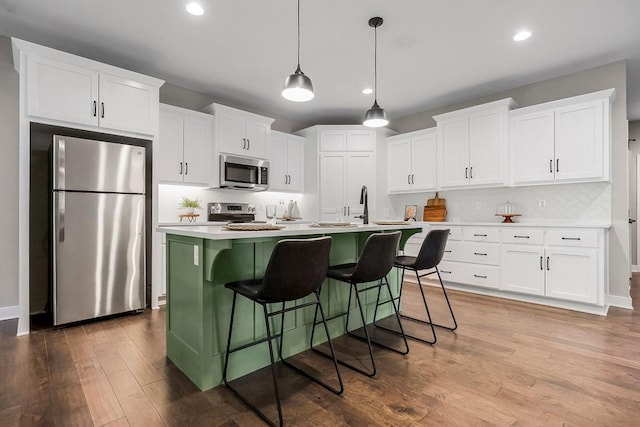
[(634, 148), (607, 76), (9, 88)]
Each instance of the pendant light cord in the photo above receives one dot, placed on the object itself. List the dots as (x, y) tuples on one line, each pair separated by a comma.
[(298, 34), (375, 64)]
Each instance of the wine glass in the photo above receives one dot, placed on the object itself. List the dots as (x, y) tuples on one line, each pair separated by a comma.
[(270, 211)]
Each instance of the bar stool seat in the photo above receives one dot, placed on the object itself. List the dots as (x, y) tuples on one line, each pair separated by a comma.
[(296, 269), (375, 262)]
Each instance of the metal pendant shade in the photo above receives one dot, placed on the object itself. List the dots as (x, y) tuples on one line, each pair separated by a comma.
[(298, 86), (375, 116)]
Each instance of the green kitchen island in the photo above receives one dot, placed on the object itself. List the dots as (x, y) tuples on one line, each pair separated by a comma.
[(201, 259)]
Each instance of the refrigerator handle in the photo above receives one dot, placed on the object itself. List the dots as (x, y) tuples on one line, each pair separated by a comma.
[(60, 212)]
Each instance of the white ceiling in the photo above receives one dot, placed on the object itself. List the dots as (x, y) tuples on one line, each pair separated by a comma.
[(431, 52)]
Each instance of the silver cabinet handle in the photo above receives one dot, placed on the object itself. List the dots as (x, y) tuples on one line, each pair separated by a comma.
[(244, 143), (445, 271), (102, 106), (95, 108), (186, 168), (571, 238), (471, 172), (551, 166), (520, 237), (408, 179), (348, 210), (479, 276), (557, 165), (344, 210), (61, 213), (479, 235), (479, 253), (541, 264), (180, 168), (548, 264), (448, 252), (412, 180), (466, 173), (248, 144)]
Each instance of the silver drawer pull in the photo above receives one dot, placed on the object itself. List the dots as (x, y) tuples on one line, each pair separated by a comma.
[(479, 276), (479, 253), (447, 252), (480, 235), (521, 237), (571, 238), (445, 271)]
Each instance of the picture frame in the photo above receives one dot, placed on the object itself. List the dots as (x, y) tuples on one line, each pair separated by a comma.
[(410, 212)]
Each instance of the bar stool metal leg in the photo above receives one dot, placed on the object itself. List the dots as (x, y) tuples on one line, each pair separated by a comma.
[(396, 312)]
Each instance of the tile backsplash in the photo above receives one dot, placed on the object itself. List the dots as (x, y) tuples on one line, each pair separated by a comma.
[(588, 201)]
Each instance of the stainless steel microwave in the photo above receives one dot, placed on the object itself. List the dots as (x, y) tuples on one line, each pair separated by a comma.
[(244, 173)]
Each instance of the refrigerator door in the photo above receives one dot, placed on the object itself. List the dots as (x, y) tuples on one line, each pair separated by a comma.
[(87, 165), (99, 266)]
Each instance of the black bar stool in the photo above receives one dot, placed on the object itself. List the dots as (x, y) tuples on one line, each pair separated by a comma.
[(430, 255), (375, 262), (297, 268)]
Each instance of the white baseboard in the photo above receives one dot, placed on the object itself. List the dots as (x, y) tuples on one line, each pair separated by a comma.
[(618, 301), (9, 312)]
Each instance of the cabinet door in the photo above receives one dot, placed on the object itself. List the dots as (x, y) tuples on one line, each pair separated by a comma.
[(277, 163), (523, 269), (332, 185), (198, 146), (359, 172), (579, 139), (295, 161), (486, 148), (360, 140), (333, 140), (423, 163), (399, 166), (230, 133), (572, 274), (170, 167), (257, 135), (532, 148), (127, 105), (454, 136), (60, 91)]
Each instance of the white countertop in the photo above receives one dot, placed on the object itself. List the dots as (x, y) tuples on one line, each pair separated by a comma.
[(213, 232), (221, 223), (532, 224)]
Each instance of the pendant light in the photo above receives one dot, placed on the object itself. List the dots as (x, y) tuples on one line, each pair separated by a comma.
[(375, 117), (298, 87)]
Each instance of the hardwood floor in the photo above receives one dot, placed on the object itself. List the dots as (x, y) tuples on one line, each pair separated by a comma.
[(508, 363)]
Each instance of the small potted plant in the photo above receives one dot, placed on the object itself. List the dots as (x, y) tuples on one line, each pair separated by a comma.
[(190, 205)]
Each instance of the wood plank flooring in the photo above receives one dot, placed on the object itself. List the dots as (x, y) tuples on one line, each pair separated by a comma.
[(508, 363)]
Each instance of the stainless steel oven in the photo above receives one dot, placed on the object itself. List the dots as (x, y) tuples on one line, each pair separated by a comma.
[(244, 173)]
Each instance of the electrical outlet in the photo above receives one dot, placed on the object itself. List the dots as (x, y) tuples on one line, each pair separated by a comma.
[(478, 204), (542, 204)]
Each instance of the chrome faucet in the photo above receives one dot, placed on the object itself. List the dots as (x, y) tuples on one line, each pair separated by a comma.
[(364, 200)]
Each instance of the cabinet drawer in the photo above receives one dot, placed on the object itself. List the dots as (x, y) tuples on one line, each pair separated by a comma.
[(481, 275), (480, 253), (482, 234), (527, 236), (450, 271), (455, 233), (575, 238), (454, 251)]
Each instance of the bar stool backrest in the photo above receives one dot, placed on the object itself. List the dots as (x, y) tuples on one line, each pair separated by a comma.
[(297, 268), (377, 258), (432, 249)]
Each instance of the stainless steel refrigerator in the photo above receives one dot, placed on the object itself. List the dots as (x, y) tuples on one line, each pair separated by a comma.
[(99, 229)]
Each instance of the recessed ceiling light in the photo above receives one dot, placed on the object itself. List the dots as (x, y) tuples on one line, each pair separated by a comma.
[(522, 35), (367, 91), (195, 9)]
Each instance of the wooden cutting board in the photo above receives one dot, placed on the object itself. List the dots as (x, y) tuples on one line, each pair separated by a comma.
[(436, 201), (434, 213)]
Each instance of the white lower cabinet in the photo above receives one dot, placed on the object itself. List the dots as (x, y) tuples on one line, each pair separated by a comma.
[(556, 266)]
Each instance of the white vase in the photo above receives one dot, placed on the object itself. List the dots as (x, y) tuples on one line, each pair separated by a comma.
[(295, 212)]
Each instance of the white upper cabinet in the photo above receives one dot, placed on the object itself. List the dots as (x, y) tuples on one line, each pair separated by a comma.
[(562, 141), (472, 145), (347, 140), (286, 158), (411, 162), (240, 132), (79, 91), (185, 148)]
